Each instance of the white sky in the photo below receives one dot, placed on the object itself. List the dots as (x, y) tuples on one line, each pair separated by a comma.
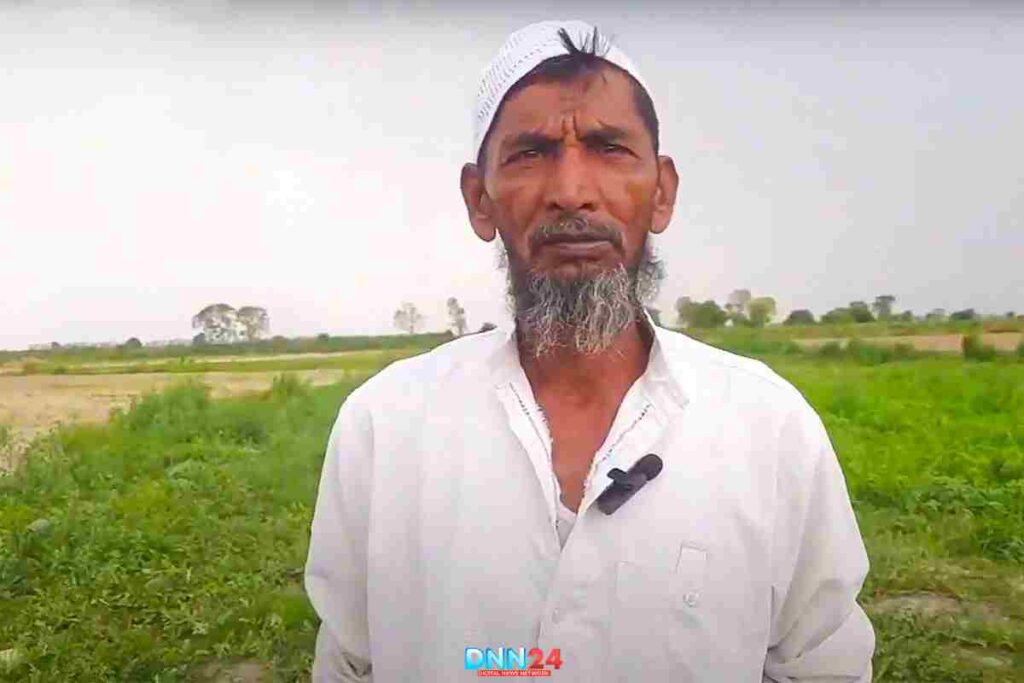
[(305, 157)]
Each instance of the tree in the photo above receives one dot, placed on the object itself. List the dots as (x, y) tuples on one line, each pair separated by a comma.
[(407, 318), (487, 327), (800, 316), (219, 323), (936, 315), (199, 339), (704, 315), (906, 317), (253, 322), (838, 316), (738, 301), (761, 310), (883, 306), (966, 314), (133, 343), (323, 338), (684, 305), (457, 316), (655, 315), (860, 312)]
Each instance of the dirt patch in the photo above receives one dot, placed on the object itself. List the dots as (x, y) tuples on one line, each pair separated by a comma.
[(942, 343), (921, 604), (933, 605), (16, 366), (32, 404), (248, 671)]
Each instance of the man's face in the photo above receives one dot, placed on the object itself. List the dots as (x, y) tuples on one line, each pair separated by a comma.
[(573, 187), (577, 149)]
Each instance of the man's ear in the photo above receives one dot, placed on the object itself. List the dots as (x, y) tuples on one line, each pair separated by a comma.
[(478, 204), (665, 194)]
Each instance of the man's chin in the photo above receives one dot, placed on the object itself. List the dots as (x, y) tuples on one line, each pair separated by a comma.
[(575, 271)]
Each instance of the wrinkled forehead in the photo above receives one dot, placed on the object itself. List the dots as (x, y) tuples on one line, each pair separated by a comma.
[(603, 98)]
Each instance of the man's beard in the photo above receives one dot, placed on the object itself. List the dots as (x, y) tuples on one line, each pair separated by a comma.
[(586, 313)]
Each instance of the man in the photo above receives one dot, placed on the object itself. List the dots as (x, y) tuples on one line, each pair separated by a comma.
[(458, 509)]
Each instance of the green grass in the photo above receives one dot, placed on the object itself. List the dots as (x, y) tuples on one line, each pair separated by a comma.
[(175, 536)]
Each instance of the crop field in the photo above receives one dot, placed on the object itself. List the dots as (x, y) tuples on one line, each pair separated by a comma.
[(167, 544)]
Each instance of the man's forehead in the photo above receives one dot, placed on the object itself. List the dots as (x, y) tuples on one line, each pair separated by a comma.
[(604, 98)]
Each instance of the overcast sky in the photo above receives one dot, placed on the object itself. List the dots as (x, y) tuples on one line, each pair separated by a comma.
[(305, 156)]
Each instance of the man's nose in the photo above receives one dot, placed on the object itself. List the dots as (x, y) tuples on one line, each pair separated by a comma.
[(570, 186)]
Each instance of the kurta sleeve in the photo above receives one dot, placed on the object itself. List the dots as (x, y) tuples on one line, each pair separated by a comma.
[(335, 574), (818, 631)]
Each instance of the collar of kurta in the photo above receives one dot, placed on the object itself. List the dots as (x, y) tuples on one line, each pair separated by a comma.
[(668, 375)]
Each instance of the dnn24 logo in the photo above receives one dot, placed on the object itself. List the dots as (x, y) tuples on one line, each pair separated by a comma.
[(512, 661)]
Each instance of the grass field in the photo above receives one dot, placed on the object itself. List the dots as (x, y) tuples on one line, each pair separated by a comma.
[(168, 545)]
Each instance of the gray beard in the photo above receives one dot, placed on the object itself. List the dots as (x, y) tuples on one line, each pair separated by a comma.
[(585, 314)]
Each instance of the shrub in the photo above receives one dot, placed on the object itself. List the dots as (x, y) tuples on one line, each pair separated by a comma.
[(1020, 349), (287, 386), (974, 349), (832, 349)]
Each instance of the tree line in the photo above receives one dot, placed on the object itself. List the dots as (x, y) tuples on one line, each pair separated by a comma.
[(742, 309), (221, 323)]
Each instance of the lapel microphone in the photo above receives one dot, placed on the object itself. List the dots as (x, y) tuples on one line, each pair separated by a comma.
[(625, 484)]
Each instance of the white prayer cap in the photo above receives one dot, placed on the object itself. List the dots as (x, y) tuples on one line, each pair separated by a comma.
[(525, 49)]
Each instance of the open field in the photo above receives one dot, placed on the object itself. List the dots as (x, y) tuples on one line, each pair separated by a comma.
[(1006, 342), (36, 403), (168, 544)]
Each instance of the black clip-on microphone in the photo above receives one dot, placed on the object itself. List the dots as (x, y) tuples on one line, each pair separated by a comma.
[(625, 484)]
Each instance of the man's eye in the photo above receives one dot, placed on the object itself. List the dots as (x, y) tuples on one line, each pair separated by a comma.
[(610, 148), (525, 154)]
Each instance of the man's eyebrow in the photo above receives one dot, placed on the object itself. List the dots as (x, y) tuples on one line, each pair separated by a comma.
[(528, 139), (605, 133)]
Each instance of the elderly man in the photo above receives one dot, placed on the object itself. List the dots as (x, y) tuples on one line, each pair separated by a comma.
[(583, 495)]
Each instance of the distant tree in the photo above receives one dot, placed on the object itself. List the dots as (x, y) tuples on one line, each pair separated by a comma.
[(457, 317), (253, 322), (1010, 315), (966, 314), (408, 318), (219, 323), (838, 315), (279, 343), (323, 338), (761, 310), (936, 315), (655, 315), (684, 310), (487, 327), (800, 316), (861, 312), (54, 345), (906, 317), (705, 315), (199, 339), (883, 306), (133, 343), (736, 305)]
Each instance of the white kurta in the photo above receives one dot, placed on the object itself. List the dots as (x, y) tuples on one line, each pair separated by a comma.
[(436, 528)]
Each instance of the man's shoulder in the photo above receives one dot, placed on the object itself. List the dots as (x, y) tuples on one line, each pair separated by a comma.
[(415, 377), (708, 369)]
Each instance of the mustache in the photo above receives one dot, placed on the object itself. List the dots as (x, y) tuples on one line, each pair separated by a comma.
[(574, 228)]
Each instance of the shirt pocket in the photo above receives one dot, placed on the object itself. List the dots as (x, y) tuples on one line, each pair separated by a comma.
[(657, 626)]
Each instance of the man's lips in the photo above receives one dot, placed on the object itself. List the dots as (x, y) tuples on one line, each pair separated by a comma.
[(590, 246)]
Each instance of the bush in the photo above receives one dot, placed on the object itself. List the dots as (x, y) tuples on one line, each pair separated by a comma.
[(832, 349), (1020, 350), (974, 349), (287, 386)]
